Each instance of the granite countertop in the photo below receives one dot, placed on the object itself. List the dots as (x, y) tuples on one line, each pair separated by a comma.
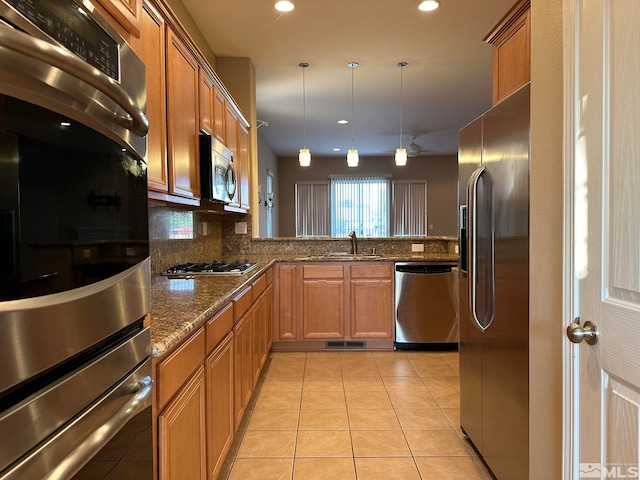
[(182, 305)]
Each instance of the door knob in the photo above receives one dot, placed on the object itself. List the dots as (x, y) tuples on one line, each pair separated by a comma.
[(589, 332)]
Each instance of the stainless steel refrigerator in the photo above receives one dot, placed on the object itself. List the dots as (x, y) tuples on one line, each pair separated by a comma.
[(493, 158)]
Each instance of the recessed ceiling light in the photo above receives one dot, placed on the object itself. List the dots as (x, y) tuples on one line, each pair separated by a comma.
[(342, 122), (284, 6), (428, 5), (336, 149)]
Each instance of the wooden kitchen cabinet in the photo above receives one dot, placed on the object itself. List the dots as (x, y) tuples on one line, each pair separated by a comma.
[(127, 13), (205, 96), (259, 336), (182, 119), (173, 168), (181, 433), (153, 55), (511, 41), (269, 319), (323, 301), (220, 418), (218, 108), (286, 302), (204, 384), (242, 367), (316, 302), (371, 301)]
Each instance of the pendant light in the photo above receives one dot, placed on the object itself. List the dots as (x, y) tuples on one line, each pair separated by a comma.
[(401, 153), (304, 157), (352, 155)]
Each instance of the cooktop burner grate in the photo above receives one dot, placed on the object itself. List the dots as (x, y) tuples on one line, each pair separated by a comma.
[(215, 267)]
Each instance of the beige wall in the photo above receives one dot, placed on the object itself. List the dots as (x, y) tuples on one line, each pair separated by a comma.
[(441, 173), (546, 225)]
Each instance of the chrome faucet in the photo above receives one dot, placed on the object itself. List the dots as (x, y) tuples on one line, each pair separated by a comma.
[(354, 243)]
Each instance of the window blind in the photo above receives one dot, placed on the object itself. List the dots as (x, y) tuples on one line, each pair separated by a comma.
[(312, 209), (409, 208), (360, 204)]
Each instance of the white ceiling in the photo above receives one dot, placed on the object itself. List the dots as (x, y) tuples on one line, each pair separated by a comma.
[(446, 84)]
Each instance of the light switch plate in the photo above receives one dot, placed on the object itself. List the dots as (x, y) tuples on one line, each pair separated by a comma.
[(417, 247)]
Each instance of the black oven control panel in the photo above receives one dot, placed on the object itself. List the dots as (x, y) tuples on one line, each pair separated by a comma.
[(71, 26)]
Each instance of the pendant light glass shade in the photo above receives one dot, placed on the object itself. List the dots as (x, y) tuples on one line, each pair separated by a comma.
[(304, 157), (401, 153), (352, 157), (352, 154), (401, 157)]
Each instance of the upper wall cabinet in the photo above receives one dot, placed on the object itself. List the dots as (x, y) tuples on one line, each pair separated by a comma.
[(182, 119), (206, 102), (511, 40), (153, 45), (219, 106), (128, 13), (185, 97), (212, 107), (172, 110)]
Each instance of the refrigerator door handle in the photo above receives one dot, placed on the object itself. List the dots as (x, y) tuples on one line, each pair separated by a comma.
[(483, 320)]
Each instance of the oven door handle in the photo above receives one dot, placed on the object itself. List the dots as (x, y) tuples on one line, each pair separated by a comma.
[(100, 437), (61, 59)]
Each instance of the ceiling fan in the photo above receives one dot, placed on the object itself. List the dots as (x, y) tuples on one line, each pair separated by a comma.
[(413, 149)]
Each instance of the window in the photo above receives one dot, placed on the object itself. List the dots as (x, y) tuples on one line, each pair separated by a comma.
[(370, 206), (360, 204), (181, 225), (269, 203), (409, 208), (312, 209)]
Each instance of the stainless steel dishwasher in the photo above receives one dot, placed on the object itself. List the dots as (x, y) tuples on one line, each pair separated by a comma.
[(426, 306)]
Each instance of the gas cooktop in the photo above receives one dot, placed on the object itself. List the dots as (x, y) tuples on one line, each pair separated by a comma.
[(222, 267)]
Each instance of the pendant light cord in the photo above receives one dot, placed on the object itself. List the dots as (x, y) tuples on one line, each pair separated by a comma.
[(304, 106), (304, 111), (401, 105), (352, 115), (401, 65)]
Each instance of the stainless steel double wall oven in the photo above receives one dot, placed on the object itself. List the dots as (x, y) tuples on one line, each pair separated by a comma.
[(74, 254)]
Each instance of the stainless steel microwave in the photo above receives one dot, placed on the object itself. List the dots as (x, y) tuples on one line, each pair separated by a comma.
[(217, 175)]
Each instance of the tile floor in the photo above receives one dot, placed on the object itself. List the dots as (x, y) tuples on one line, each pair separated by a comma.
[(354, 415)]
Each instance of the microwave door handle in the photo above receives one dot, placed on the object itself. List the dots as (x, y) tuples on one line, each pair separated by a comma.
[(230, 181), (472, 244), (61, 59)]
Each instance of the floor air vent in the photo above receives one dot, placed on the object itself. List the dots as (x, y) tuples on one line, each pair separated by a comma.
[(360, 344)]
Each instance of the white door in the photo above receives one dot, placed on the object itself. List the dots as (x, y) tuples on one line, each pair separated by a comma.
[(605, 150)]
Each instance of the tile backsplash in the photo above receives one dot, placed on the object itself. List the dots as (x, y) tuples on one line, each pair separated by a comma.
[(179, 236)]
